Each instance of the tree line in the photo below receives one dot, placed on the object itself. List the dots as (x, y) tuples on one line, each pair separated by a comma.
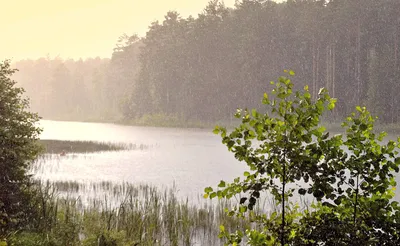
[(202, 68), (66, 89)]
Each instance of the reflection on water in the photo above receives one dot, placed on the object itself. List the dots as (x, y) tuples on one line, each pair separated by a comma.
[(190, 159)]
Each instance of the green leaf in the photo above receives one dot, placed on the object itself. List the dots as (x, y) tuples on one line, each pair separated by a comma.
[(216, 130), (208, 190), (230, 144), (338, 201), (302, 191), (332, 103), (291, 73), (222, 184), (254, 113), (321, 129)]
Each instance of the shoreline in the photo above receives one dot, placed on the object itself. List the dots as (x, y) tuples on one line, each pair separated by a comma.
[(393, 128)]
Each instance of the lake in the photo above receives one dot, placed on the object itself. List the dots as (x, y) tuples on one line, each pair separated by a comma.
[(189, 159)]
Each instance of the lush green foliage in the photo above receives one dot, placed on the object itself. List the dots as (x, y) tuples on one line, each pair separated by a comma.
[(351, 176), (120, 215), (18, 148), (201, 67)]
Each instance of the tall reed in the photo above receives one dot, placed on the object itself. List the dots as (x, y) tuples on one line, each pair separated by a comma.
[(125, 214)]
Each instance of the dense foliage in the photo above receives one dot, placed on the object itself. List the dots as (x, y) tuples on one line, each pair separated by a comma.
[(91, 89), (18, 148), (289, 154), (202, 68), (121, 214), (71, 90)]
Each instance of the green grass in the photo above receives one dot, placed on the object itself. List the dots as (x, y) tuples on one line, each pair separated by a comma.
[(123, 214), (59, 146)]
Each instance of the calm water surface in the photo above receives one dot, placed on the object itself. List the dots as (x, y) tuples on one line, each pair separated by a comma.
[(189, 159)]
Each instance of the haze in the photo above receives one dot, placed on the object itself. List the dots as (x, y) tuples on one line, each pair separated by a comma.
[(80, 29)]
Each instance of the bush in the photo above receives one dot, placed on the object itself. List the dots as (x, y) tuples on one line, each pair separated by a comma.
[(287, 151), (18, 148)]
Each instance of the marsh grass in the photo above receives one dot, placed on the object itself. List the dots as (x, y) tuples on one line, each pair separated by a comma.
[(126, 214), (51, 162), (60, 146)]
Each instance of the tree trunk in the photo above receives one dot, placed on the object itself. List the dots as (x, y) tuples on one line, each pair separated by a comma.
[(333, 70), (314, 84), (358, 62)]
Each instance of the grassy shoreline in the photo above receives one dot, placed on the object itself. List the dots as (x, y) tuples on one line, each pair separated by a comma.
[(141, 215), (66, 146)]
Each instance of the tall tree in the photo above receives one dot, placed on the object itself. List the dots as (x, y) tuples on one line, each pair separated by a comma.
[(18, 148)]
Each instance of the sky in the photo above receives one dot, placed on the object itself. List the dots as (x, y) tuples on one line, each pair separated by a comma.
[(79, 28)]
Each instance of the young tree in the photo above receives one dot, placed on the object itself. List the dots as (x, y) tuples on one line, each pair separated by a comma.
[(18, 148), (286, 150), (364, 212)]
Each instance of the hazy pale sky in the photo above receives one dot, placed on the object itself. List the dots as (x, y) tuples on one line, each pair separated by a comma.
[(79, 28)]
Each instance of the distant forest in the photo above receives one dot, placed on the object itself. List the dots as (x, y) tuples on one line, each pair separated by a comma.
[(203, 68)]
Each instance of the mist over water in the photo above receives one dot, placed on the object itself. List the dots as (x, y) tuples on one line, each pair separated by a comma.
[(190, 159)]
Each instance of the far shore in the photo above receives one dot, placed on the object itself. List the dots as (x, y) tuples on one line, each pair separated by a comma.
[(229, 124)]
